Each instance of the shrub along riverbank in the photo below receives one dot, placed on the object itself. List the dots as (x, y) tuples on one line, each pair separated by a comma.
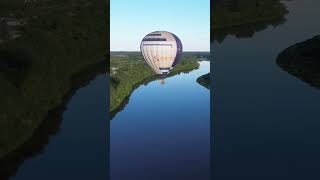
[(130, 70), (227, 14), (54, 41), (204, 80), (302, 60)]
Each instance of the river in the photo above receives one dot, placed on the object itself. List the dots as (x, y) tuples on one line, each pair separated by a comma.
[(266, 121), (164, 131), (165, 135), (72, 144)]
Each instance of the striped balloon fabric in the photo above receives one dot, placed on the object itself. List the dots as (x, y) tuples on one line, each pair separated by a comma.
[(162, 51)]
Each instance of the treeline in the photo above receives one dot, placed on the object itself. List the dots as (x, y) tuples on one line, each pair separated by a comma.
[(204, 80), (59, 40), (302, 60), (127, 71), (230, 13), (243, 18)]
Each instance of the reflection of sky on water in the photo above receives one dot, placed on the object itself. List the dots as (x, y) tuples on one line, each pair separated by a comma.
[(164, 131), (265, 120), (78, 151)]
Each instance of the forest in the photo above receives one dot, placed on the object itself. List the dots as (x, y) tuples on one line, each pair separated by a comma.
[(230, 13), (302, 60), (243, 18), (204, 80), (129, 70), (44, 46)]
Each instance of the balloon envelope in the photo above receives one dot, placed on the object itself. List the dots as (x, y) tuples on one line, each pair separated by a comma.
[(162, 51)]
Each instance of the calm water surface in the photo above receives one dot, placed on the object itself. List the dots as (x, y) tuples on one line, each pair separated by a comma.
[(164, 131), (266, 121), (79, 149)]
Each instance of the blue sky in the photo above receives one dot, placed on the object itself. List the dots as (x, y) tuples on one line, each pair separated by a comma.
[(131, 20)]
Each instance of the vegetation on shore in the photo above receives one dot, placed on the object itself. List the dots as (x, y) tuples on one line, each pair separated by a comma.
[(302, 60), (204, 80), (53, 42), (130, 69), (243, 18), (228, 13)]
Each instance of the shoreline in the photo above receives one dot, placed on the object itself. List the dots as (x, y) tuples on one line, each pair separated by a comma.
[(119, 107), (227, 18), (49, 126), (204, 80), (301, 60), (245, 23), (77, 80)]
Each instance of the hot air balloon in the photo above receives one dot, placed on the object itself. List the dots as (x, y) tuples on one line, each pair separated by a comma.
[(162, 52)]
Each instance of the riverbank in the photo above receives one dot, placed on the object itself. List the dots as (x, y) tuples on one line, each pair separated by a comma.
[(128, 72), (38, 69), (302, 60), (255, 99), (43, 110), (49, 126), (204, 80), (169, 115), (229, 15)]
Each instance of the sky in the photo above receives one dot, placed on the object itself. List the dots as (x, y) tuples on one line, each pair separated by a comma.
[(131, 20)]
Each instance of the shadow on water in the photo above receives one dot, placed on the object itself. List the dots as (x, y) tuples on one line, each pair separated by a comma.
[(243, 18), (49, 126), (302, 60)]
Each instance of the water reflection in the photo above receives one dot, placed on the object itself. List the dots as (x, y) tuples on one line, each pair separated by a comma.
[(144, 82), (266, 121), (33, 147), (166, 136), (49, 127), (129, 71), (243, 18), (47, 51)]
